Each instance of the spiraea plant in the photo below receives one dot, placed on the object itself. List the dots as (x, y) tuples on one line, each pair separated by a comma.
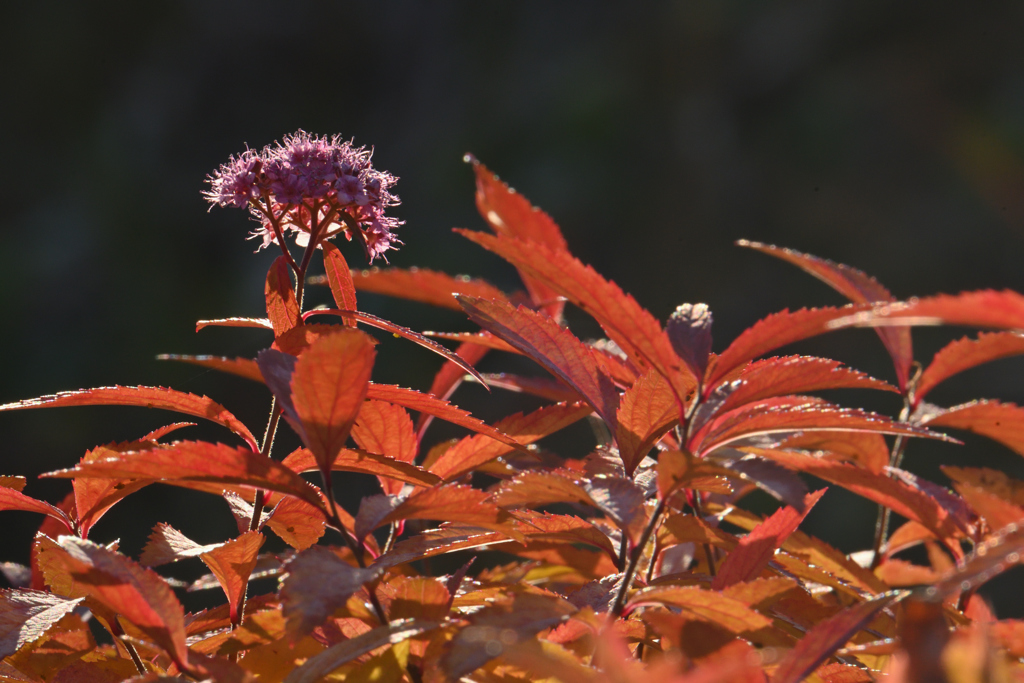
[(636, 563)]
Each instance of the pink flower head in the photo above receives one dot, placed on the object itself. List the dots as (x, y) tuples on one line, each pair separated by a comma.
[(315, 187)]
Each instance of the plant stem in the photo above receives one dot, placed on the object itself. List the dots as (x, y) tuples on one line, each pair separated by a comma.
[(884, 513), (634, 558)]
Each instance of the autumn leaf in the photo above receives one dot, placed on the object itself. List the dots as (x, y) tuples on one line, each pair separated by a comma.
[(1002, 422), (859, 288), (145, 397), (418, 284), (706, 605), (282, 307), (451, 503), (339, 279), (629, 325), (450, 377), (126, 589), (317, 583), (166, 544), (827, 636), (10, 499), (647, 411), (542, 387), (352, 460), (964, 354), (386, 429), (26, 616), (258, 323), (242, 367), (982, 308), (751, 556), (232, 563)]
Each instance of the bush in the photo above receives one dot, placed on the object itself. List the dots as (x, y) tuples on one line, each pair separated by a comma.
[(633, 563)]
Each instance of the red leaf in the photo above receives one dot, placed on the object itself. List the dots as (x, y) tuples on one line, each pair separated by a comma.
[(867, 449), (555, 348), (327, 390), (339, 278), (439, 542), (399, 331), (451, 503), (750, 557), (647, 411), (449, 377), (243, 367), (547, 527), (282, 307), (11, 499), (26, 616), (989, 559), (981, 308), (425, 403), (166, 544), (317, 583), (993, 481), (485, 339), (796, 375), (261, 323), (858, 287), (386, 429), (534, 489), (301, 337), (351, 460), (629, 325), (967, 353), (473, 451), (125, 588), (298, 523), (94, 497), (232, 563), (827, 636), (996, 511), (511, 214), (497, 626), (420, 284), (705, 605), (810, 416), (1002, 422), (768, 334), (144, 397), (543, 387), (195, 464), (896, 495)]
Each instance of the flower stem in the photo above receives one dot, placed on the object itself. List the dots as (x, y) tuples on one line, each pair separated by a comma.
[(634, 558), (884, 513)]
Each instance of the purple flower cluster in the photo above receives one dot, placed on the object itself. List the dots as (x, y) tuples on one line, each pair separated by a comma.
[(315, 187)]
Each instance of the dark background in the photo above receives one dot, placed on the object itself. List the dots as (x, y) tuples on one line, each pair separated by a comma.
[(887, 135)]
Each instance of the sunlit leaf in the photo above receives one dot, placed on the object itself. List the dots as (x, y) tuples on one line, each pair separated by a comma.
[(867, 449), (145, 397), (1002, 422), (259, 323), (982, 308), (167, 544), (243, 367), (770, 333), (450, 377), (751, 556), (967, 353), (386, 429), (125, 588), (473, 451), (648, 410), (419, 284), (317, 583), (339, 279), (439, 542), (352, 460), (10, 499), (819, 643), (26, 615), (232, 563), (856, 286), (282, 307), (993, 481), (451, 503), (706, 605), (629, 325), (185, 463), (64, 643)]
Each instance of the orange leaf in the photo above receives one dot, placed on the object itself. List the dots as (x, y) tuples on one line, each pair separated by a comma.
[(126, 589), (232, 563), (485, 339), (996, 511), (992, 481), (352, 460), (629, 325), (386, 429), (167, 544), (328, 386), (859, 288), (282, 307), (261, 323), (706, 605), (26, 616), (795, 375), (750, 557), (1002, 422), (339, 278), (420, 284), (94, 497), (967, 353), (534, 489), (545, 526), (511, 214), (473, 451), (439, 542), (243, 367), (449, 377), (827, 636), (298, 523), (867, 449), (192, 464), (770, 333), (318, 582), (145, 397), (11, 499), (543, 387), (451, 503), (555, 348), (647, 411), (981, 308)]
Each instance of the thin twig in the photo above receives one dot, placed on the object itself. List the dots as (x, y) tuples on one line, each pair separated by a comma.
[(634, 558), (884, 513)]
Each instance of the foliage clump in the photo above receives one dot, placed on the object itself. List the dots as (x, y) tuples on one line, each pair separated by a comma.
[(637, 562)]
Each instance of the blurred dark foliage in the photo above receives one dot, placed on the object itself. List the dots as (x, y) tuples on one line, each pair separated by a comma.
[(887, 135)]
